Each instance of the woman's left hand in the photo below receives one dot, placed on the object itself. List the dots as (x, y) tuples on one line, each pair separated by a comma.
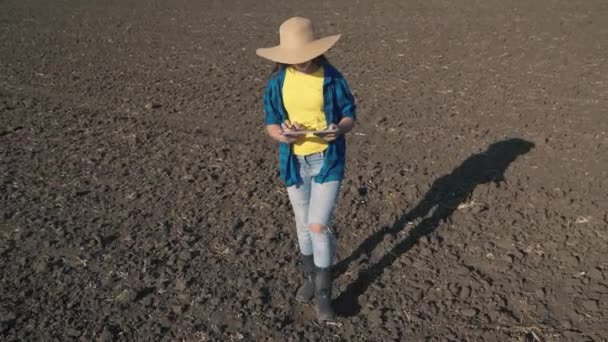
[(334, 131)]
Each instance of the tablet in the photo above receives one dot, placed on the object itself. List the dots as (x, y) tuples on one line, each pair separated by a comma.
[(308, 131)]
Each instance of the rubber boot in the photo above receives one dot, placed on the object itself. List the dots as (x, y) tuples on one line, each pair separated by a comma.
[(307, 291), (323, 292)]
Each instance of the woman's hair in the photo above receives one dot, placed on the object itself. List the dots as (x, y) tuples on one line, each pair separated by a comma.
[(321, 60)]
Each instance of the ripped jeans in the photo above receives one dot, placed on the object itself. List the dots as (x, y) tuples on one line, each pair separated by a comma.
[(313, 203)]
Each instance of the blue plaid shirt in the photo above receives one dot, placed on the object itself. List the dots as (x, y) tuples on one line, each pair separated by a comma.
[(338, 102)]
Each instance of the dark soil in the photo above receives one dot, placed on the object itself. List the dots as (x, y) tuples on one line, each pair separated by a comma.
[(139, 197)]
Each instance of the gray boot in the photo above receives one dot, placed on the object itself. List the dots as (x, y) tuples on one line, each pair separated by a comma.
[(323, 292), (307, 291)]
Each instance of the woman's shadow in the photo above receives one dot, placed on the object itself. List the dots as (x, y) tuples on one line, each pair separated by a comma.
[(445, 195)]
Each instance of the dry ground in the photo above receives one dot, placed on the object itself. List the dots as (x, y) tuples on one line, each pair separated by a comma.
[(139, 197)]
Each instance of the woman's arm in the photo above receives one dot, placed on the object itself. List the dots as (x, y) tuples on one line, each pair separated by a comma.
[(346, 125)]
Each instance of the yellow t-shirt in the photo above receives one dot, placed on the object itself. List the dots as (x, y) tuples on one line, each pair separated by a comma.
[(303, 101)]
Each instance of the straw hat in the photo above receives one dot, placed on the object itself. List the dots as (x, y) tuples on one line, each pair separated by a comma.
[(297, 43)]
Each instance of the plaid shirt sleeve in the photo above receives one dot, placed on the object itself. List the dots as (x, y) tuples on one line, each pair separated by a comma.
[(273, 117), (344, 99)]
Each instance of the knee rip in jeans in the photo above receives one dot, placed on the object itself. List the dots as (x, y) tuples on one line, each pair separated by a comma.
[(318, 228)]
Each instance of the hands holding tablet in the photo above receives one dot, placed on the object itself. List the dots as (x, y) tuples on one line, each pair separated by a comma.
[(292, 132)]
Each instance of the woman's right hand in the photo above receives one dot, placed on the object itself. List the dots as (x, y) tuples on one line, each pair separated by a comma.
[(276, 132), (287, 127)]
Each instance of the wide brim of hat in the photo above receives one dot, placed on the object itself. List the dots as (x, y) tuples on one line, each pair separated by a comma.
[(299, 55)]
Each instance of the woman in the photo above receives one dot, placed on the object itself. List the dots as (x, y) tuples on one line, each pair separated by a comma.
[(309, 108)]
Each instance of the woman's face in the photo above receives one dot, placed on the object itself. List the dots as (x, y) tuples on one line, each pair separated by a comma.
[(303, 67)]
